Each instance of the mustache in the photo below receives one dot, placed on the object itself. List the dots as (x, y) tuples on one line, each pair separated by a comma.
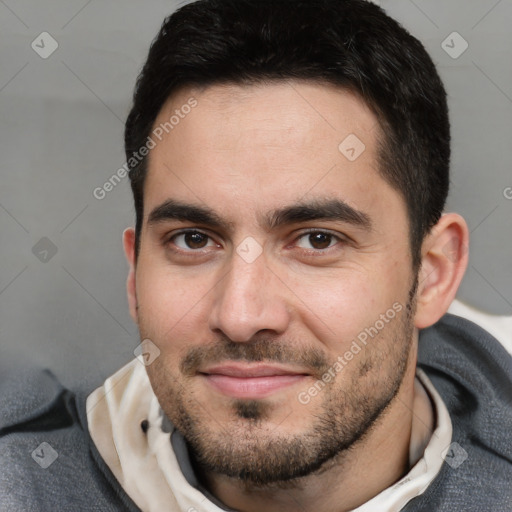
[(262, 349)]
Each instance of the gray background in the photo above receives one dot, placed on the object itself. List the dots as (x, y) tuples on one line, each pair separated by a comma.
[(61, 129)]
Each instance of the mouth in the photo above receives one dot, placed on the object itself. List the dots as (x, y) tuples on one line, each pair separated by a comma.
[(251, 381)]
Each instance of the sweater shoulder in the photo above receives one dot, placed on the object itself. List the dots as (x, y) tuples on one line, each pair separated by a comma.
[(27, 397), (46, 455), (472, 372)]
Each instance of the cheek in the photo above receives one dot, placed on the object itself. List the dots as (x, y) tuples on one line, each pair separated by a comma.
[(337, 309), (167, 289), (170, 309)]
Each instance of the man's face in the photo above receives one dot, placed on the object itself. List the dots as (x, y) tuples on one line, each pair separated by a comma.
[(251, 312)]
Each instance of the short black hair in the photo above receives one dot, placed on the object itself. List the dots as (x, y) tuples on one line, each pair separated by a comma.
[(352, 44)]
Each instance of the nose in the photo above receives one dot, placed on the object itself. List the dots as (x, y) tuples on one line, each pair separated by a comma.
[(250, 298)]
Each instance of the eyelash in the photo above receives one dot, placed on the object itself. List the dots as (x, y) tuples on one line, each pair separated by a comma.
[(340, 239)]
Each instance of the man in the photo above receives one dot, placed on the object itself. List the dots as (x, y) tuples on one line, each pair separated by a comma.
[(290, 274)]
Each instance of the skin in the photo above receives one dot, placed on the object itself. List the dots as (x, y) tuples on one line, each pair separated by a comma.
[(244, 152)]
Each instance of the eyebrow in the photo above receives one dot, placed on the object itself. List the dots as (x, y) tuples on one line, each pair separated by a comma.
[(318, 209)]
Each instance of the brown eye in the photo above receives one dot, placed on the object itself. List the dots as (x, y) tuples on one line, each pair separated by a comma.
[(318, 240), (191, 240)]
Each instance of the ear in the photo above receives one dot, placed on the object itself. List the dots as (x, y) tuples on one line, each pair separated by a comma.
[(444, 262), (129, 250)]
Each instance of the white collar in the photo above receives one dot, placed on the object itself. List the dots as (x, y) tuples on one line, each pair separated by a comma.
[(147, 468)]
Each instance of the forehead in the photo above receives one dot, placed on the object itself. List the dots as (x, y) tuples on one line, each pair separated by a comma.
[(292, 108), (254, 147)]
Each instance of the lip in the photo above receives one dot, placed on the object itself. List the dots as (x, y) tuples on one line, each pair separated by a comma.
[(251, 381)]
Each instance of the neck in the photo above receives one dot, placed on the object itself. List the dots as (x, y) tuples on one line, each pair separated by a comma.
[(375, 462)]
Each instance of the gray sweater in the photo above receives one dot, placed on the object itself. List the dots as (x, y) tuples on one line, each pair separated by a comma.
[(469, 368)]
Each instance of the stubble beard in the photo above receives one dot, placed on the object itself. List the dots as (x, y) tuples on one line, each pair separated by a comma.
[(250, 447)]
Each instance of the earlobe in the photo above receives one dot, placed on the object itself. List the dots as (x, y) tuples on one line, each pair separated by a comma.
[(444, 262), (129, 250)]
